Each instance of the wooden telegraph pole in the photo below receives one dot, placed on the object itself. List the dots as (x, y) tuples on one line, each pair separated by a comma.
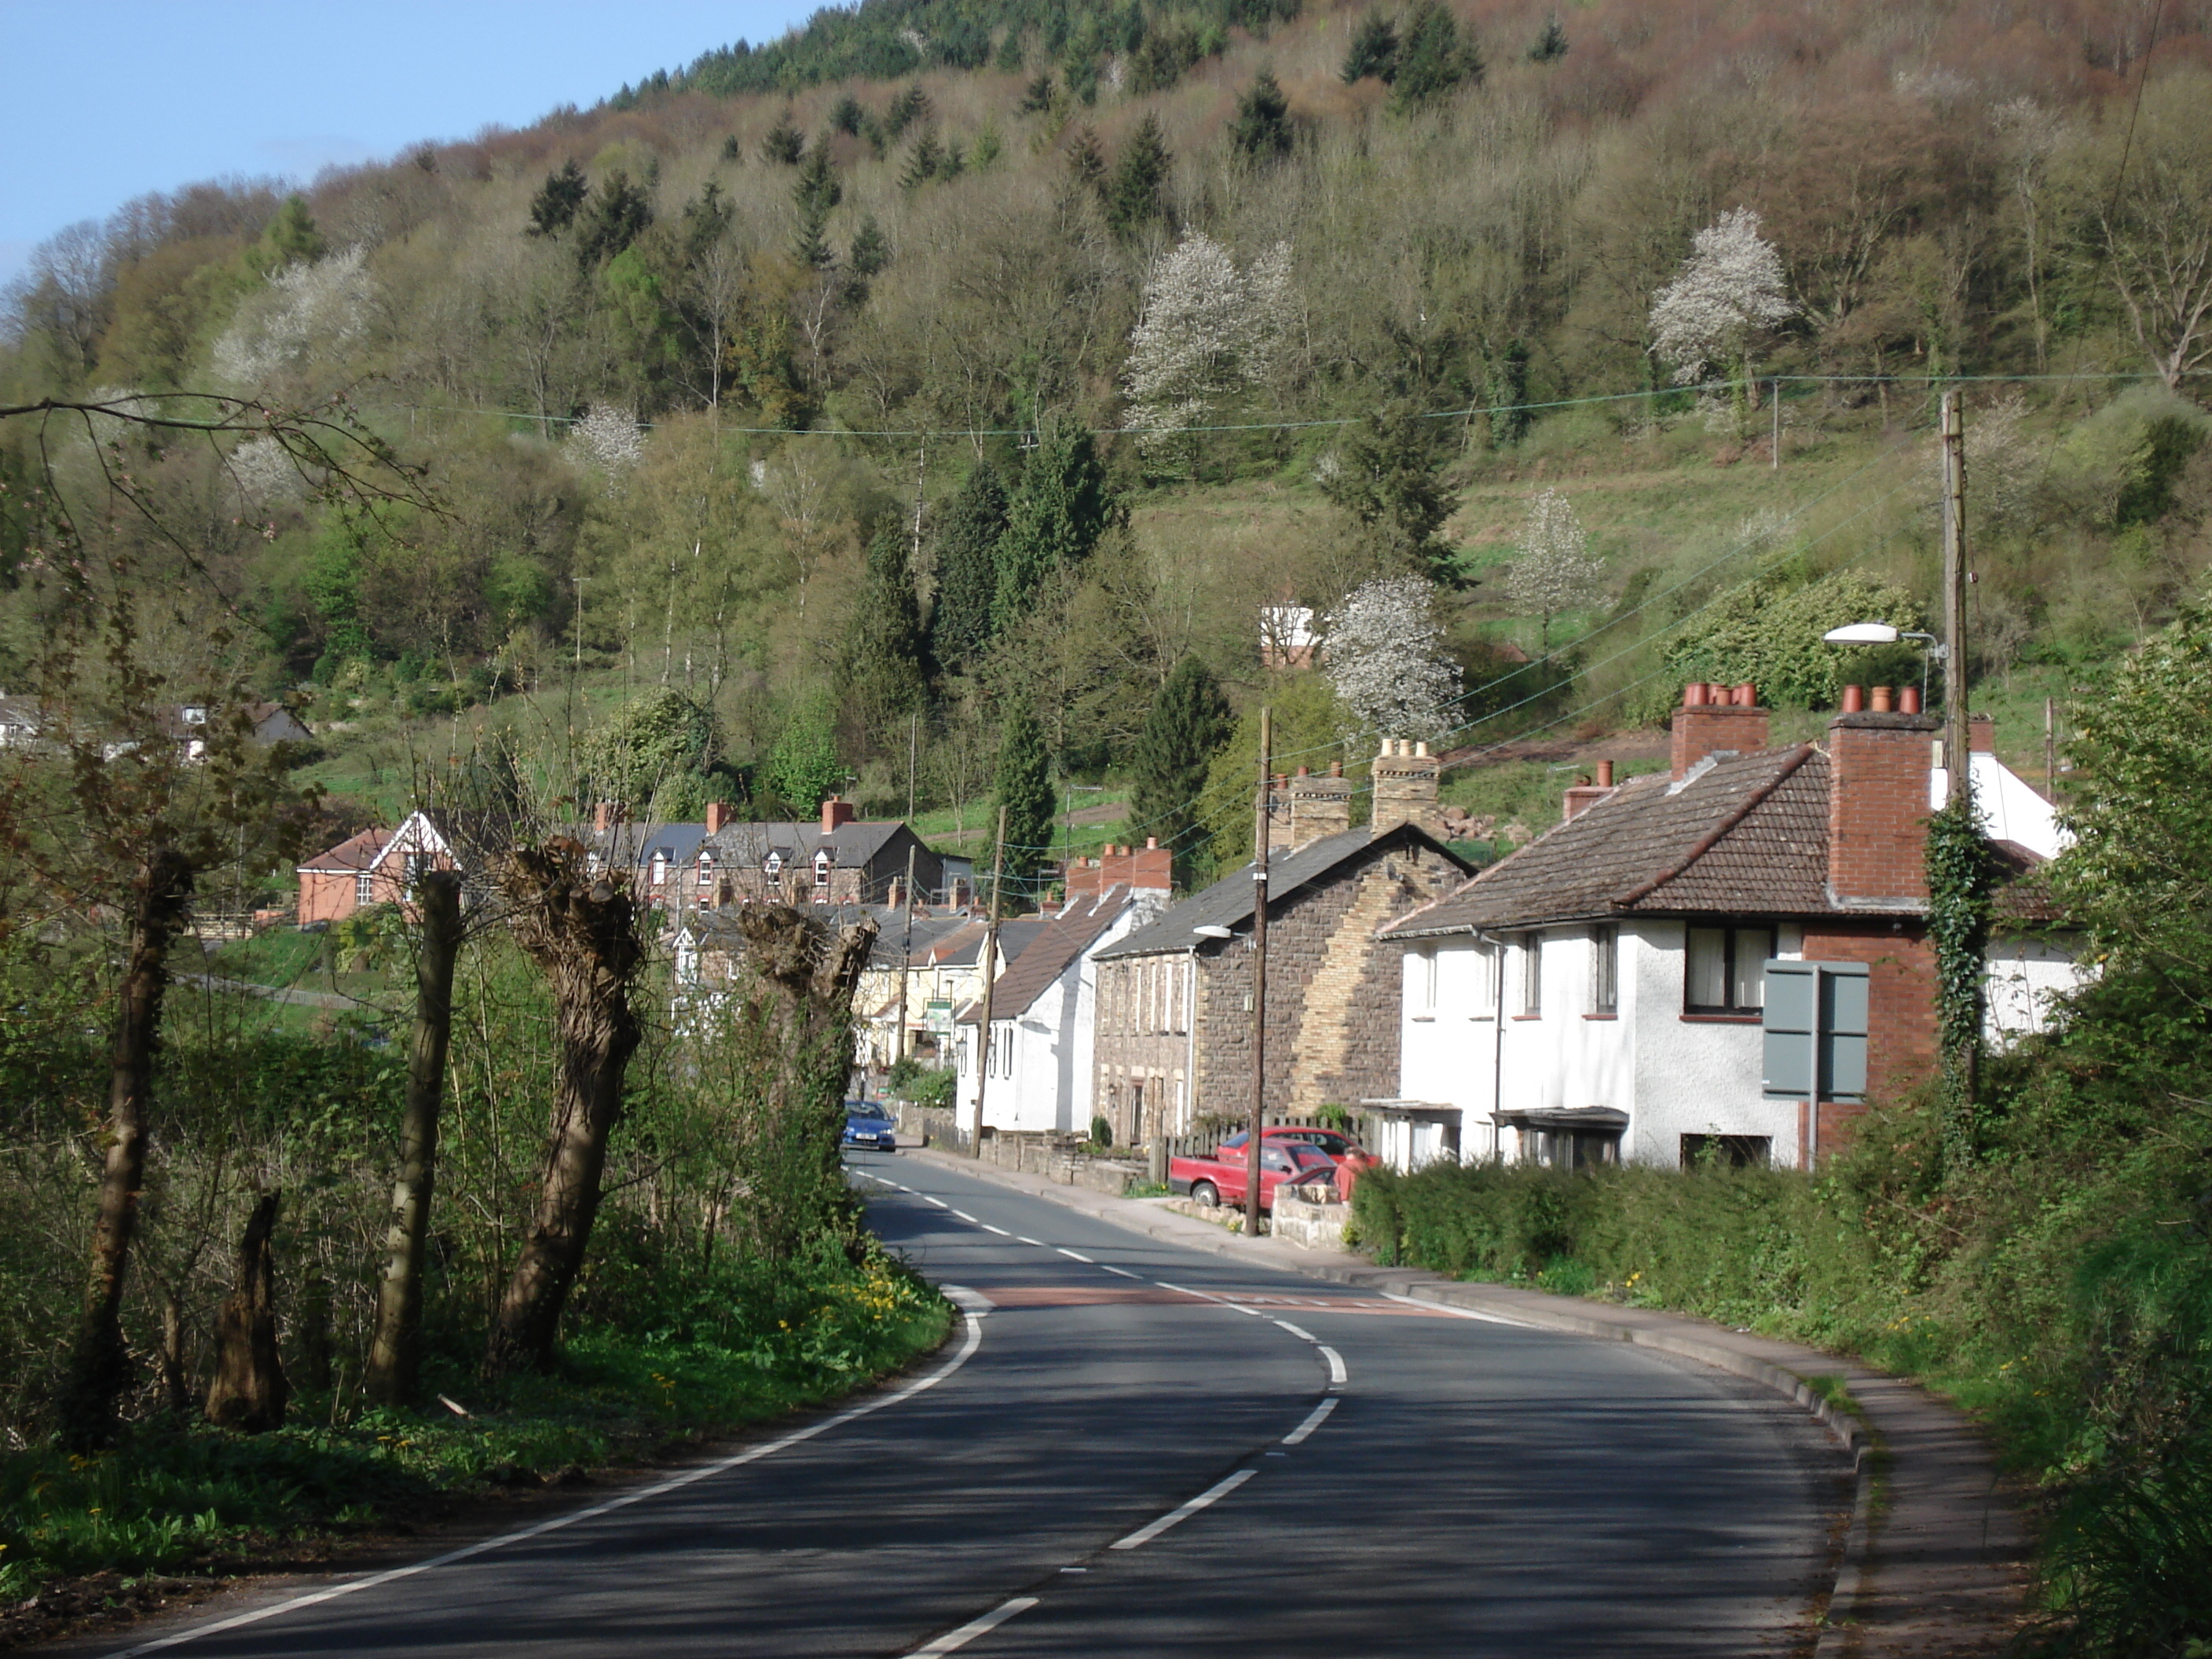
[(987, 962), (1954, 596), (906, 959), (1252, 1146)]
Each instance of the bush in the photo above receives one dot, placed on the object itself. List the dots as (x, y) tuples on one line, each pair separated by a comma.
[(1102, 1133)]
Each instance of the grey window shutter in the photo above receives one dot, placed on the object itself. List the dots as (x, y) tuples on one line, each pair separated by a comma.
[(1815, 1029), (1790, 1021)]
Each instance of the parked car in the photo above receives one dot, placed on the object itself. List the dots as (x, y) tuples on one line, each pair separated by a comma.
[(866, 1124), (1337, 1145), (1221, 1180)]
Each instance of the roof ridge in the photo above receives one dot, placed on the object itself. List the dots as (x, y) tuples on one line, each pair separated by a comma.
[(1712, 838)]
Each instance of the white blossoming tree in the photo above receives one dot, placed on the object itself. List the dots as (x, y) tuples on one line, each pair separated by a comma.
[(611, 438), (1553, 569), (310, 313), (1208, 330), (1386, 661), (1731, 289)]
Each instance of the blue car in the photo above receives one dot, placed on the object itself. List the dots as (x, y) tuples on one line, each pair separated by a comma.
[(866, 1126)]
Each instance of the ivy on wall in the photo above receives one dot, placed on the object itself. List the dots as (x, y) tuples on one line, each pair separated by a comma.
[(1962, 874)]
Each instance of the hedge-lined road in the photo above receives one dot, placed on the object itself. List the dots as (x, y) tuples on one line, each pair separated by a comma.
[(1153, 1450)]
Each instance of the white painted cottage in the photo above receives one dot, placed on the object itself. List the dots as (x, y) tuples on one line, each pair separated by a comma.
[(1727, 958)]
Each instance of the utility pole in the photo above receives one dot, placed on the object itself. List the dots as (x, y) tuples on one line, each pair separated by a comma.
[(2050, 749), (579, 581), (1252, 1145), (1954, 596), (1774, 402), (988, 960), (906, 957), (913, 746)]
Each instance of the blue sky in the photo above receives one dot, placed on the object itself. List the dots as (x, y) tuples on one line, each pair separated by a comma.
[(102, 101)]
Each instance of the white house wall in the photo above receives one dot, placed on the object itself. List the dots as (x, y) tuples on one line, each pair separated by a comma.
[(1695, 1077), (2026, 976)]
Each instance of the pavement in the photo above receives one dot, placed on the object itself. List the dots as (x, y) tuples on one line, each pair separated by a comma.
[(1135, 1446), (1935, 1558)]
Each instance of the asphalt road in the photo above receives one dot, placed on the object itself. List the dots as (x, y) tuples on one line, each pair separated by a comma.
[(1138, 1449)]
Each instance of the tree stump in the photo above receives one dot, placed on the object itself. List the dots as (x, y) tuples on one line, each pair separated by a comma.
[(249, 1391)]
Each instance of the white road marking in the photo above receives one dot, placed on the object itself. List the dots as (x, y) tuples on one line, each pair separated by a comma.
[(1123, 1272), (1304, 1336), (1336, 1371), (1076, 1256), (1462, 1313), (964, 1216), (1213, 1494), (940, 1202), (974, 1627), (1023, 1238), (1001, 1232), (975, 1306), (1319, 1416)]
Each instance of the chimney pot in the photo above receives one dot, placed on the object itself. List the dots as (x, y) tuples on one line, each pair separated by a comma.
[(1854, 698), (1881, 699), (1693, 694), (1421, 749), (1336, 769), (1712, 721), (1908, 699), (1301, 772), (1605, 775), (1746, 696), (1152, 843)]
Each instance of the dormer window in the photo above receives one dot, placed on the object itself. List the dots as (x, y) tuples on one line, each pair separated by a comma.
[(195, 713), (706, 871), (772, 865), (822, 869), (660, 866)]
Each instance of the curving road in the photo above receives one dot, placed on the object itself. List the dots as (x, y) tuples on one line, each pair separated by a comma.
[(1137, 1448)]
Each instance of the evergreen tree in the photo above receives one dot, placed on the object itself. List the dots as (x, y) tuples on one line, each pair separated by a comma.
[(1009, 60), (814, 193), (882, 665), (1036, 97), (1509, 395), (1374, 50), (1387, 480), (848, 117), (910, 108), (870, 253), (615, 217), (554, 208), (1263, 131), (1435, 61), (290, 238), (1057, 516), (1552, 44), (924, 162), (1135, 194), (1025, 789), (1086, 163), (1189, 723), (732, 149), (968, 536), (784, 143), (705, 220)]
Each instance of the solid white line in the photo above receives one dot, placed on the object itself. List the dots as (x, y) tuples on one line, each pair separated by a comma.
[(1462, 1313), (1001, 1232), (1304, 1336), (1124, 1272), (1319, 1415), (974, 1627), (1024, 1238), (1076, 1256), (1213, 1494), (964, 1216), (973, 1340), (1336, 1371)]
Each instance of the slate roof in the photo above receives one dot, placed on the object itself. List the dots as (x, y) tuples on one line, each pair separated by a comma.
[(852, 844), (350, 856), (1743, 836), (1227, 902), (1063, 939)]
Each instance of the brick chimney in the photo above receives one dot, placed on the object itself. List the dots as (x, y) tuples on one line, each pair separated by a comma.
[(718, 814), (1405, 775), (1319, 805), (1878, 767), (835, 810), (1981, 734), (1146, 869), (1716, 720), (606, 815), (1583, 796)]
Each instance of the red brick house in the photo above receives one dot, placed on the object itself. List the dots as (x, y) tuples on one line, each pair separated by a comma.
[(377, 866)]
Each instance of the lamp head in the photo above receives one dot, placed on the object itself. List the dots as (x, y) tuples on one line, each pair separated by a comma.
[(1865, 633)]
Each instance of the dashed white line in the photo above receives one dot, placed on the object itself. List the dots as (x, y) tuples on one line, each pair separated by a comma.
[(964, 1216), (938, 1202), (1076, 1256), (1302, 1336), (1336, 1371), (1123, 1272), (1319, 1415), (1001, 1232), (953, 1640), (1023, 1238), (1213, 1494)]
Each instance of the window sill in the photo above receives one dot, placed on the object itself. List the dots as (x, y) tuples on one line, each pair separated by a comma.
[(1522, 1017), (1601, 1016), (1723, 1019)]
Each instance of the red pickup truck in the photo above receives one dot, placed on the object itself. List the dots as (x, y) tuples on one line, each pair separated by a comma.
[(1220, 1178)]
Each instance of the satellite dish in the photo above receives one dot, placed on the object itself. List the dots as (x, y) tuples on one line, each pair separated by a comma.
[(1214, 930), (1868, 633)]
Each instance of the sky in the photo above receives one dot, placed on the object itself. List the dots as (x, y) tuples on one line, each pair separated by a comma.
[(102, 101)]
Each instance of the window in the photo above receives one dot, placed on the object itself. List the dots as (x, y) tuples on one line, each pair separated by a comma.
[(1487, 970), (364, 888), (1724, 969), (822, 869), (706, 871), (772, 865), (1421, 983), (1532, 976), (1605, 970)]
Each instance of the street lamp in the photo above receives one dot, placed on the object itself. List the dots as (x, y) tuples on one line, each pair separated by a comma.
[(1213, 930), (1882, 633)]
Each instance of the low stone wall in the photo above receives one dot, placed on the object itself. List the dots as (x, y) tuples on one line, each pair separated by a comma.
[(1311, 1216), (1051, 1156)]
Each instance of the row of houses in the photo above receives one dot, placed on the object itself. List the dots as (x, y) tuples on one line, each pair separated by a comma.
[(1730, 958)]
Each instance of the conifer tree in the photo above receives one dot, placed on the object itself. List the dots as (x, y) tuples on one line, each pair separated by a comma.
[(848, 117), (884, 643), (1025, 789), (1374, 50), (784, 143), (1263, 131), (924, 162), (1552, 44), (554, 208), (1057, 514), (967, 567), (290, 238), (814, 193), (1135, 196), (1189, 723), (612, 219), (1386, 479), (1435, 60), (1086, 163)]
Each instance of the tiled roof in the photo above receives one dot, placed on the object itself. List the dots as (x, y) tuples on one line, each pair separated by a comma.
[(1744, 836), (1061, 941), (351, 855), (1227, 902), (852, 844)]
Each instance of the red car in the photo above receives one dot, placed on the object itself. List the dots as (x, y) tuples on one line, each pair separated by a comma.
[(1221, 1178), (1339, 1146)]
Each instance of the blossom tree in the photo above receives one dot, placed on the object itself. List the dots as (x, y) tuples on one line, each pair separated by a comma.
[(611, 436), (311, 312), (1208, 330), (1553, 569), (1729, 289), (1384, 648)]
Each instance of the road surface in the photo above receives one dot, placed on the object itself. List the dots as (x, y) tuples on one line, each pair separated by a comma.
[(1138, 1449)]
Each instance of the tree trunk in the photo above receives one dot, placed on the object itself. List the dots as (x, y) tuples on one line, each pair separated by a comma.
[(100, 1361), (249, 1391), (583, 933), (176, 1368), (395, 1352)]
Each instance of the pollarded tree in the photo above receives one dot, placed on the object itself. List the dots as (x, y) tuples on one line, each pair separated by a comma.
[(1553, 569), (1025, 789), (1384, 646), (1189, 723), (1207, 330), (1730, 290), (968, 533)]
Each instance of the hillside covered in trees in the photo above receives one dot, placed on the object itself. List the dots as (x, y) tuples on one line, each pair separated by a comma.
[(941, 359)]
